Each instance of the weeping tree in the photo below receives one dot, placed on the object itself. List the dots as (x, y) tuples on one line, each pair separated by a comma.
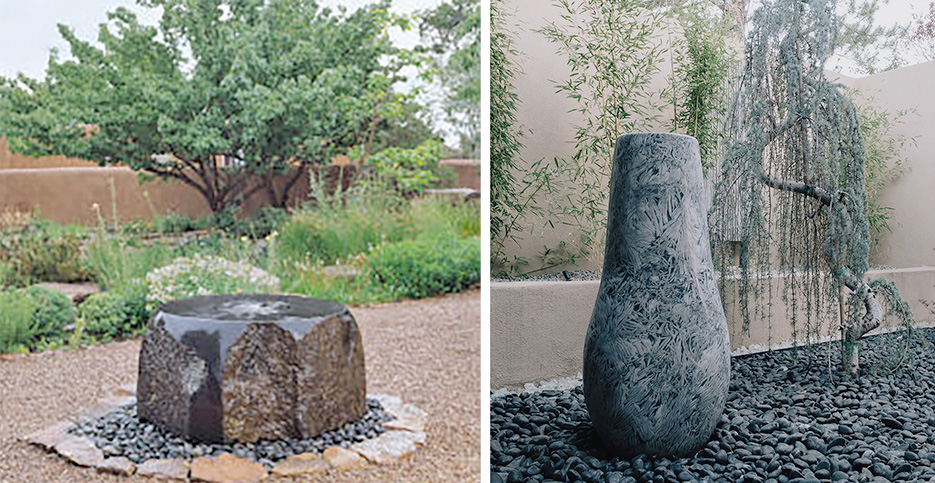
[(795, 165)]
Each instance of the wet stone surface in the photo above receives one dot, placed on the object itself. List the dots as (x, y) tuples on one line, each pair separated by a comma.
[(120, 433), (789, 418)]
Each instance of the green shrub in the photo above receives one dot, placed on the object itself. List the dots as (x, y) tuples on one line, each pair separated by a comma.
[(258, 225), (114, 314), (53, 312), (134, 294), (427, 266), (16, 321), (206, 275), (43, 252), (175, 223), (261, 224), (105, 315)]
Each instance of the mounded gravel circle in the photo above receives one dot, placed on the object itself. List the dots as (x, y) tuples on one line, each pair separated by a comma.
[(427, 352), (789, 418)]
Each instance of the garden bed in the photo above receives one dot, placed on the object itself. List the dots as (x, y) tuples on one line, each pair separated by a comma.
[(791, 416)]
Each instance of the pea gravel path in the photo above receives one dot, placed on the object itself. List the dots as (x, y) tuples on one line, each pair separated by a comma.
[(427, 352)]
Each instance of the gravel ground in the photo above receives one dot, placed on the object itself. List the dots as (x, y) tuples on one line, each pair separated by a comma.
[(789, 418), (427, 352)]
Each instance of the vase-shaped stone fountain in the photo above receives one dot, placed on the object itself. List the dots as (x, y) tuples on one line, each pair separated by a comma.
[(656, 356)]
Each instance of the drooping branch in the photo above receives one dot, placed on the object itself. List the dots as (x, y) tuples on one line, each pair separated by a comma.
[(874, 311)]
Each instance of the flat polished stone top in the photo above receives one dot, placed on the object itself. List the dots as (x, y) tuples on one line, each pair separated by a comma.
[(224, 317), (252, 308)]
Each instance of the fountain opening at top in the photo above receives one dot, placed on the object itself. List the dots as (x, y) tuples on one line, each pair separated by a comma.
[(240, 368)]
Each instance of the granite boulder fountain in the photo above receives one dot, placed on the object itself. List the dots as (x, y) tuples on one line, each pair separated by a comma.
[(238, 387), (242, 368)]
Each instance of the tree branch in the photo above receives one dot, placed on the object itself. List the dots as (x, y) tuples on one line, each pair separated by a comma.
[(874, 311)]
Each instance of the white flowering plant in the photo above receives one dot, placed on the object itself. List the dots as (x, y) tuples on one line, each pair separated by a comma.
[(206, 275)]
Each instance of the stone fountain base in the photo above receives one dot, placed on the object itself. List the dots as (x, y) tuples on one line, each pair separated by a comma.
[(402, 434)]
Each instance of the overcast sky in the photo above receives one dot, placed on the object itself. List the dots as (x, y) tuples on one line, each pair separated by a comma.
[(28, 27)]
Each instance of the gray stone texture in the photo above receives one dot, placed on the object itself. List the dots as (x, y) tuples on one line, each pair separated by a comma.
[(656, 354), (242, 368)]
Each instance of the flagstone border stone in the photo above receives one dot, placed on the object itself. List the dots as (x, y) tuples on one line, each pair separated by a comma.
[(404, 436)]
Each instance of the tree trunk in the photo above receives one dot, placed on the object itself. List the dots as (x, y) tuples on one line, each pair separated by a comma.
[(874, 311)]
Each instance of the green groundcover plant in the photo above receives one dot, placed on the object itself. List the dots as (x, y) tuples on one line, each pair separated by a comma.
[(114, 314)]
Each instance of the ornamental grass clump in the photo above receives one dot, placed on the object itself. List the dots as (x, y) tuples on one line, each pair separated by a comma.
[(17, 327), (206, 275)]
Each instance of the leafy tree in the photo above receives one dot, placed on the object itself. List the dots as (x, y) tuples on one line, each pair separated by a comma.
[(872, 48), (452, 31), (922, 36), (222, 95), (797, 159)]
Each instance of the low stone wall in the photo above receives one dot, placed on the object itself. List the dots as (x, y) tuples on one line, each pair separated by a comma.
[(537, 329)]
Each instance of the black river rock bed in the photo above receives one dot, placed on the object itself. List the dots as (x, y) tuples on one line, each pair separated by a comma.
[(791, 416), (121, 433)]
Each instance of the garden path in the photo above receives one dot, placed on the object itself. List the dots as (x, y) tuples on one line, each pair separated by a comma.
[(425, 351)]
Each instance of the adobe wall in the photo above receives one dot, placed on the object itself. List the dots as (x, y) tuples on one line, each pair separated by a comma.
[(912, 242), (66, 195)]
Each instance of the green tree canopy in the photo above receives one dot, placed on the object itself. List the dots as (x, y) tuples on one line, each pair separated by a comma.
[(265, 86), (452, 32)]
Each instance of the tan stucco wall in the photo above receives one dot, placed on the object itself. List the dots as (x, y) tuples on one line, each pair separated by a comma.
[(467, 172), (66, 194), (547, 115), (912, 197), (537, 329)]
